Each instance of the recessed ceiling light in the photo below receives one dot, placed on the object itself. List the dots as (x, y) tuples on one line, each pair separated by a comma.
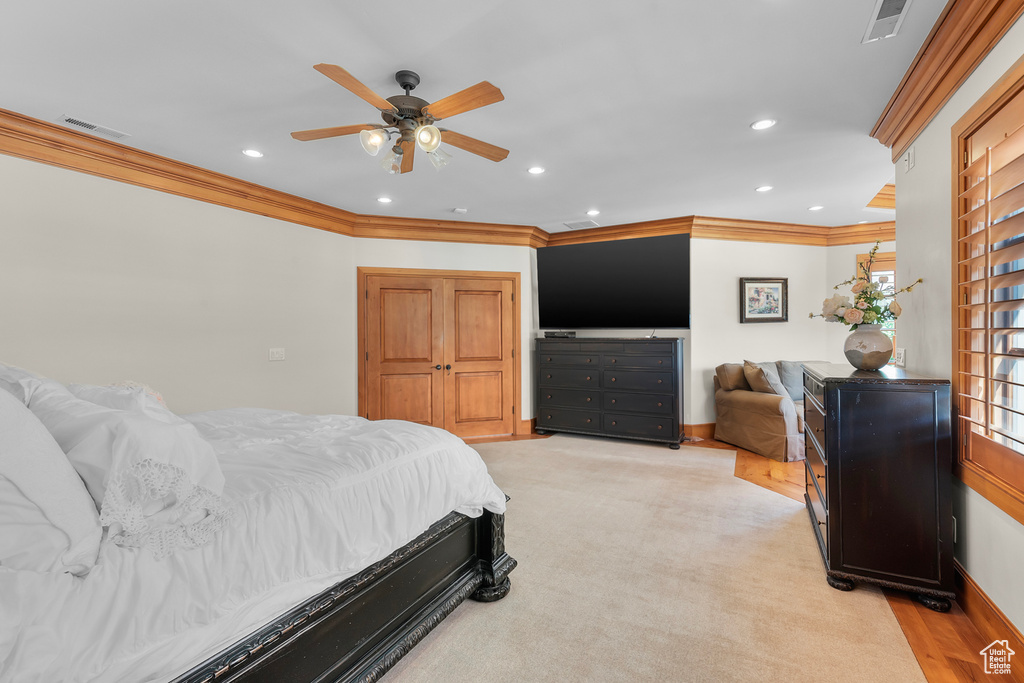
[(763, 188), (593, 212), (254, 153), (384, 200), (762, 124), (536, 170), (815, 208)]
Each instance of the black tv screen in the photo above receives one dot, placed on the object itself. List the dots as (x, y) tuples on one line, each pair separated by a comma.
[(637, 283)]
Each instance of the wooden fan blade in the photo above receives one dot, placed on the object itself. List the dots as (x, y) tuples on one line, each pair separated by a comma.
[(408, 147), (478, 147), (473, 97), (319, 133), (351, 83)]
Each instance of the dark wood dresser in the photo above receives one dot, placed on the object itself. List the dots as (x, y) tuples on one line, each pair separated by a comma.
[(879, 468), (624, 388)]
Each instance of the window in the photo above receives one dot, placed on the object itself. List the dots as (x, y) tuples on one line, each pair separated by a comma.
[(989, 302), (884, 266)]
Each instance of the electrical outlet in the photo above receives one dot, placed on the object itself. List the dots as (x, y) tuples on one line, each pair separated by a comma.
[(276, 354), (901, 357)]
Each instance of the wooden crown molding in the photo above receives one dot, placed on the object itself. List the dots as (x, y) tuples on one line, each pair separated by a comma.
[(703, 227), (27, 138), (964, 34), (885, 199)]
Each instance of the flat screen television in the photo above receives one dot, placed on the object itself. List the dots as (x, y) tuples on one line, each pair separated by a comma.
[(638, 283)]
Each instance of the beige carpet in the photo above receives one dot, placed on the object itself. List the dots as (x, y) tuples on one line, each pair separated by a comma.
[(640, 563)]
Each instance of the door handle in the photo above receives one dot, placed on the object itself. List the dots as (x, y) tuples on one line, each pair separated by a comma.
[(448, 368), (437, 367)]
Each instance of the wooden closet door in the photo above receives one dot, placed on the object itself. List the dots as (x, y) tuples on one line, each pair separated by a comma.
[(404, 349), (478, 392)]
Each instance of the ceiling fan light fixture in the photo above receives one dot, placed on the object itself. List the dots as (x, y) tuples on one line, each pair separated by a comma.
[(373, 140), (392, 162), (439, 158), (428, 137)]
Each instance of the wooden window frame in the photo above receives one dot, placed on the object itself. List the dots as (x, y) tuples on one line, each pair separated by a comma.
[(1006, 495)]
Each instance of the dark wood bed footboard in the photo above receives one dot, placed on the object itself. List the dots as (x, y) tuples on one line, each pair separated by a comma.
[(359, 628)]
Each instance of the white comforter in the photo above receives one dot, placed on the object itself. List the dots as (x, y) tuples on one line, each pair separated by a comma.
[(313, 499)]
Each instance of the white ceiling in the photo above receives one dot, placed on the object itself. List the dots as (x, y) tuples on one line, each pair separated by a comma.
[(639, 109)]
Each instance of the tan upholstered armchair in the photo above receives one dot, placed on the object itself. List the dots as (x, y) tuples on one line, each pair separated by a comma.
[(759, 407)]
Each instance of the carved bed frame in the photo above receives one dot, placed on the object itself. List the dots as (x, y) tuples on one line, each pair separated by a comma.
[(359, 628)]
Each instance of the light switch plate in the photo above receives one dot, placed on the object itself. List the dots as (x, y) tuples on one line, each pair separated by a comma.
[(276, 354), (901, 357)]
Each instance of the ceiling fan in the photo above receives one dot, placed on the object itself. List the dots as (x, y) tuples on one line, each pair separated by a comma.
[(411, 120)]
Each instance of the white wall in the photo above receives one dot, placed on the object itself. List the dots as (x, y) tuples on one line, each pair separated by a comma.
[(717, 335), (990, 543), (102, 281)]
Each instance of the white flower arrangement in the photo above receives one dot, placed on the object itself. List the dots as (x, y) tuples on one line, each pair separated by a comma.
[(869, 305)]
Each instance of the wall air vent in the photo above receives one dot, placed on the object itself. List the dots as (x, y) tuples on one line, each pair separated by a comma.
[(580, 225), (886, 19), (92, 127)]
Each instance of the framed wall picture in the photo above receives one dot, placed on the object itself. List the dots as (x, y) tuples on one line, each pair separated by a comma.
[(764, 299)]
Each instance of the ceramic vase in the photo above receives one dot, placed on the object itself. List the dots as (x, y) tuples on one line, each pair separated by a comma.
[(868, 348)]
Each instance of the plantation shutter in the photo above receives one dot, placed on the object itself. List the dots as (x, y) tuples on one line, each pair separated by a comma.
[(990, 318)]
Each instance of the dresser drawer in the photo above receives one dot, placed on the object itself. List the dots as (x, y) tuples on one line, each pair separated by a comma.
[(815, 389), (637, 380), (618, 360), (819, 513), (570, 398), (814, 423), (568, 377), (566, 418), (639, 425), (816, 465), (654, 404), (592, 347), (570, 359)]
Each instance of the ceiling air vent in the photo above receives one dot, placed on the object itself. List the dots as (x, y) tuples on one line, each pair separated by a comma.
[(886, 19), (92, 127), (580, 225)]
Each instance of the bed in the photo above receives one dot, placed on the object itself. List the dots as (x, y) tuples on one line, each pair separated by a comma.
[(230, 545)]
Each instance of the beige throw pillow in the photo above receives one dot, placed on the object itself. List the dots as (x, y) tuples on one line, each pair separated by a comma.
[(763, 378)]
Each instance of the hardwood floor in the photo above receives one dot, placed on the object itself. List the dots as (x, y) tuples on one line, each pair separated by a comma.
[(947, 645)]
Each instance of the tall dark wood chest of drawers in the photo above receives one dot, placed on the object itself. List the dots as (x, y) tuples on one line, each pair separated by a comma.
[(623, 388), (879, 478)]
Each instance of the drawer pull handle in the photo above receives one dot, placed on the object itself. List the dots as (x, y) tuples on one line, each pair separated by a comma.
[(613, 360), (614, 423), (588, 399), (820, 476), (549, 395), (659, 381), (659, 426), (549, 417), (613, 379), (549, 359), (588, 360), (588, 378), (819, 430), (613, 400), (660, 362), (549, 376), (588, 420), (821, 522), (660, 404)]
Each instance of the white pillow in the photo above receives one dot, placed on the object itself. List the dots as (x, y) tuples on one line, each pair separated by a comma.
[(20, 383), (41, 489), (129, 396), (157, 484)]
